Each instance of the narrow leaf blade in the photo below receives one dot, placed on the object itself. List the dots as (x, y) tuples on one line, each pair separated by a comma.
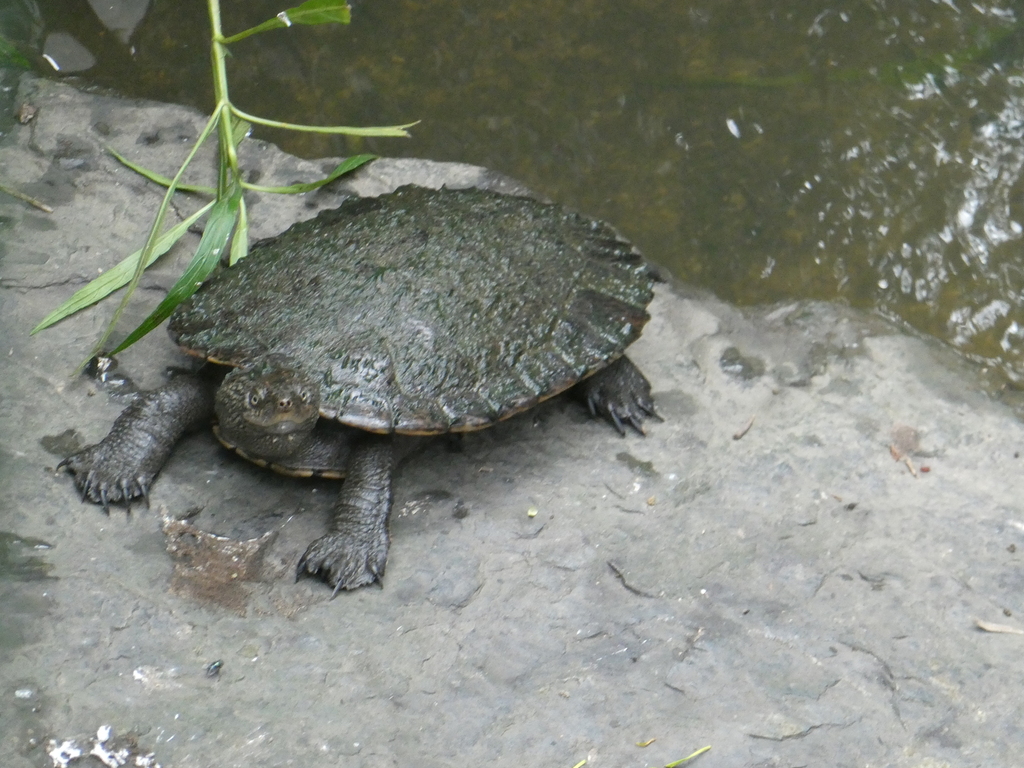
[(218, 229), (311, 12), (321, 12), (240, 130), (240, 241), (346, 130), (346, 166), (156, 177), (116, 277)]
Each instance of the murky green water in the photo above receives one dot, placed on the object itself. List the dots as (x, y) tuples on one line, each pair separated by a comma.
[(869, 151)]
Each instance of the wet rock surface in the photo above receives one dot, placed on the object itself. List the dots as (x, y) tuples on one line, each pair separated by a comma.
[(790, 567)]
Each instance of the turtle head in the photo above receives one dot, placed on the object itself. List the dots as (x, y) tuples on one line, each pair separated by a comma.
[(267, 409)]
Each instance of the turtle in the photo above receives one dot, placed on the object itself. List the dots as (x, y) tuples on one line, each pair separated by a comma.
[(419, 312)]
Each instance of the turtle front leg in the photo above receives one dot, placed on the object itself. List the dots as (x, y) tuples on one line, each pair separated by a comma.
[(620, 393), (122, 466), (355, 552)]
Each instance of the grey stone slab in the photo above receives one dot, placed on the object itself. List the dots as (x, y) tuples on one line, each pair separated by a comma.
[(789, 594)]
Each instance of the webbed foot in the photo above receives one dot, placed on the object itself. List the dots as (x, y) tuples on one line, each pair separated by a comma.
[(123, 465), (344, 563), (622, 394), (105, 474)]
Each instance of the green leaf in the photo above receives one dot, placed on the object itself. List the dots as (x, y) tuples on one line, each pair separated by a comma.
[(240, 130), (156, 177), (10, 56), (211, 247), (310, 12), (240, 242), (116, 277), (386, 130), (320, 12), (347, 166)]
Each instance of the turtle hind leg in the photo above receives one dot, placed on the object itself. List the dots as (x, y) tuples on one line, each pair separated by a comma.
[(620, 393), (122, 466), (355, 552)]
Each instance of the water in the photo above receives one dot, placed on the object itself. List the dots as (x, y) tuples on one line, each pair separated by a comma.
[(868, 151)]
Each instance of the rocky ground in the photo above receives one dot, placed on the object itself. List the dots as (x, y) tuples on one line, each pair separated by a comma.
[(813, 560)]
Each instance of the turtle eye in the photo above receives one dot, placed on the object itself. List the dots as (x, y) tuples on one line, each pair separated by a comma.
[(304, 396), (253, 399)]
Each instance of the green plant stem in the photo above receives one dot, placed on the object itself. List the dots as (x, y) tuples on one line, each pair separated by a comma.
[(220, 74), (229, 155)]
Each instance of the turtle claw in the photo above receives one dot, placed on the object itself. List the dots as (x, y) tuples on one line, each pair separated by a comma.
[(127, 494), (637, 424), (616, 421), (83, 489)]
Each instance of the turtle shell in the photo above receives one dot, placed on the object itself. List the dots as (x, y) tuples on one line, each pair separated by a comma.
[(427, 311)]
